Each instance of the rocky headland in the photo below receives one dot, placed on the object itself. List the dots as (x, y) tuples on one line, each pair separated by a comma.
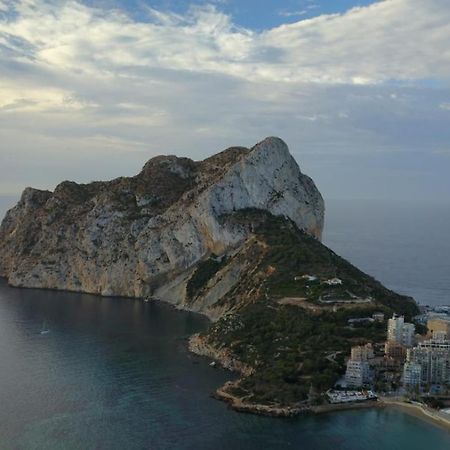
[(144, 235), (235, 237)]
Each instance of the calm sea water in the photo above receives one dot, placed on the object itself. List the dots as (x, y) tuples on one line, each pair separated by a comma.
[(404, 245), (115, 374)]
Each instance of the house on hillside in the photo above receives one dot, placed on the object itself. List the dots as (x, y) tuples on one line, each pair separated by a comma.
[(305, 277), (333, 281)]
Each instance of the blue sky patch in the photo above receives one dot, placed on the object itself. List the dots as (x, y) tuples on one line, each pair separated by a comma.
[(252, 14)]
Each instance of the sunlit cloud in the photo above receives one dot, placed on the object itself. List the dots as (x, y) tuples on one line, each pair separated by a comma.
[(83, 85), (353, 47)]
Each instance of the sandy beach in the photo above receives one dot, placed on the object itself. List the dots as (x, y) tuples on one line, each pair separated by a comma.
[(420, 411), (417, 410)]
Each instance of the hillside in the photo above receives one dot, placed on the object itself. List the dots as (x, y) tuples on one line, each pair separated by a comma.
[(282, 336), (144, 235), (235, 237)]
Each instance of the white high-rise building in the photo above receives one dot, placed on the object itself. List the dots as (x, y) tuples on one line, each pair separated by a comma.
[(362, 352), (408, 333), (412, 374), (400, 331), (433, 358), (358, 374), (358, 371)]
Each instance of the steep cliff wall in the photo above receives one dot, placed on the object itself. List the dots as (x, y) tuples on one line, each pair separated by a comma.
[(235, 237), (146, 234)]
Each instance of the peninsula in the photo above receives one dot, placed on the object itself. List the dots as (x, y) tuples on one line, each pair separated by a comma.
[(235, 237)]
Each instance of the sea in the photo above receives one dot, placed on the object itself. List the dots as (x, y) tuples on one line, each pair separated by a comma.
[(405, 245), (83, 372)]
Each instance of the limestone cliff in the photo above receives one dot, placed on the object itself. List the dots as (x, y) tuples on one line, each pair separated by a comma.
[(146, 235), (236, 237)]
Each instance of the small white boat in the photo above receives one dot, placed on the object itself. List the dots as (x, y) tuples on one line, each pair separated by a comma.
[(44, 329), (213, 364)]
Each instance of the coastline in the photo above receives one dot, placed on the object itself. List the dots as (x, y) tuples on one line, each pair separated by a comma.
[(200, 347), (416, 410), (238, 404), (336, 407), (420, 411)]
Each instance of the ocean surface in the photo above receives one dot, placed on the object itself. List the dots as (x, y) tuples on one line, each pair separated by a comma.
[(404, 245), (112, 373)]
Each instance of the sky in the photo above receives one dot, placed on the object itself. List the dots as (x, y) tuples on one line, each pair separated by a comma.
[(359, 90)]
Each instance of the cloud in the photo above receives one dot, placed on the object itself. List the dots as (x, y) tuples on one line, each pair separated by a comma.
[(93, 93), (293, 13), (363, 46), (302, 12)]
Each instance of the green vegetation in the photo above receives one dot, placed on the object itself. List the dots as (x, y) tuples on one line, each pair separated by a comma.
[(203, 273), (290, 348), (294, 349), (294, 253)]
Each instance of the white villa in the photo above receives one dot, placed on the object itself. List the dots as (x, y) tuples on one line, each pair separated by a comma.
[(333, 281)]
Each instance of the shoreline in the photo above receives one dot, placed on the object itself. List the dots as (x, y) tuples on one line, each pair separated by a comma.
[(336, 407), (198, 346), (417, 410), (237, 404), (420, 412)]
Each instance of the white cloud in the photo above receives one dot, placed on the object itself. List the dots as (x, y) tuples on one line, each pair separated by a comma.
[(82, 85), (293, 13), (393, 39), (29, 99)]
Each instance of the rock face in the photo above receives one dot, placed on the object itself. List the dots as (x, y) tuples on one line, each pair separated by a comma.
[(145, 235), (233, 237)]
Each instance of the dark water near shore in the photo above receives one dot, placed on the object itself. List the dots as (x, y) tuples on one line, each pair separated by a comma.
[(115, 374)]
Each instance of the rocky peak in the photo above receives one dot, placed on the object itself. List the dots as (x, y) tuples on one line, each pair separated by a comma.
[(144, 234), (183, 167), (226, 157), (34, 197)]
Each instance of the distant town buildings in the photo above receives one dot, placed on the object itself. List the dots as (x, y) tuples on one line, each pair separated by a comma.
[(438, 328), (400, 331), (426, 363), (358, 373), (400, 336), (412, 374), (362, 352), (432, 359), (394, 350)]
